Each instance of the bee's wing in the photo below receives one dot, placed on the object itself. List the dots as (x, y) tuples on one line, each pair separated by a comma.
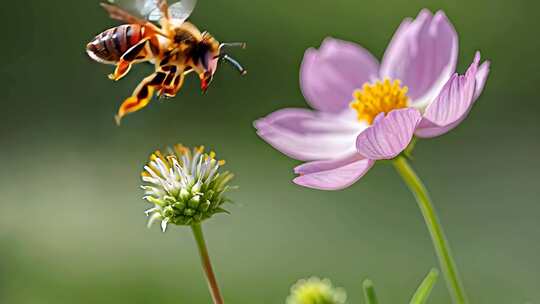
[(138, 8), (179, 11)]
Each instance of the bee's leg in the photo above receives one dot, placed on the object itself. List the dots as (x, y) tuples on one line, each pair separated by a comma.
[(142, 95), (173, 81), (169, 81), (174, 86), (136, 52), (206, 78)]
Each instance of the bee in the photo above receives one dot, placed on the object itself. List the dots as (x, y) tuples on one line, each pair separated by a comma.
[(175, 46)]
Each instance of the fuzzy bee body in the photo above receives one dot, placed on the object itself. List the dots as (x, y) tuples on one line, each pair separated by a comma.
[(176, 48), (109, 46)]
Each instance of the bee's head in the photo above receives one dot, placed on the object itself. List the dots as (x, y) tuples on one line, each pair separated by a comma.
[(209, 63), (213, 53), (208, 58)]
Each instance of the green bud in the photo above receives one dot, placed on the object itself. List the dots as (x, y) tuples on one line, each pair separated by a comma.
[(168, 211), (179, 220), (184, 194), (194, 202), (196, 188), (205, 206), (189, 212), (179, 205), (209, 194), (169, 199)]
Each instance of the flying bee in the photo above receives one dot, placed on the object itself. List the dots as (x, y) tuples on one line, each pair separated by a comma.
[(176, 48)]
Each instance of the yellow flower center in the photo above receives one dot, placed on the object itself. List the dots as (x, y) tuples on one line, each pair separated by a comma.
[(379, 97)]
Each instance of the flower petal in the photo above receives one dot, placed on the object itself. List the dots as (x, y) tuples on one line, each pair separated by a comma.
[(333, 174), (481, 78), (329, 75), (389, 135), (422, 54), (309, 135), (455, 101)]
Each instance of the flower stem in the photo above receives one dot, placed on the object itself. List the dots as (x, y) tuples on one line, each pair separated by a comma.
[(440, 243), (207, 264), (369, 292)]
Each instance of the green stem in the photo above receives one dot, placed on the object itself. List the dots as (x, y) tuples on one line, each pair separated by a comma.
[(207, 264), (440, 243), (422, 293), (369, 292)]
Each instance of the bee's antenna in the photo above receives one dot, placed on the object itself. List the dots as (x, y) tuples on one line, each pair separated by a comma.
[(234, 63), (241, 45)]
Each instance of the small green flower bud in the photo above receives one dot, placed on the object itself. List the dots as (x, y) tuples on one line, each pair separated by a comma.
[(184, 194), (169, 199), (168, 211), (184, 186), (194, 202), (179, 205), (196, 188), (189, 212), (316, 291), (209, 194), (205, 206)]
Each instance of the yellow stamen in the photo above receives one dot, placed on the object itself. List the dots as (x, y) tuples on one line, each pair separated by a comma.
[(212, 156), (171, 159), (380, 97), (181, 149)]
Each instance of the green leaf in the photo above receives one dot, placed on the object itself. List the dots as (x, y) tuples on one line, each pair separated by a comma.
[(423, 291), (369, 292)]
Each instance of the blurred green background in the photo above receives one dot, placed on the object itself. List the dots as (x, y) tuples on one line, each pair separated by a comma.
[(72, 228)]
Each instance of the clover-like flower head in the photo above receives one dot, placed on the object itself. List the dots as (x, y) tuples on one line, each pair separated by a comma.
[(185, 186), (316, 291)]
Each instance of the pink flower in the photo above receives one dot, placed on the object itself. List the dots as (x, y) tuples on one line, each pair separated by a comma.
[(366, 111)]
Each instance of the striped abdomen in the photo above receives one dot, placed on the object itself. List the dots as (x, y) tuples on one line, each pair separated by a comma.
[(110, 45)]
